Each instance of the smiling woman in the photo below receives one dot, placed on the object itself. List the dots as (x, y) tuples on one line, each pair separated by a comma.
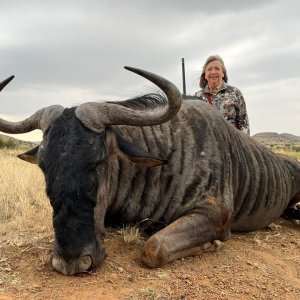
[(226, 98)]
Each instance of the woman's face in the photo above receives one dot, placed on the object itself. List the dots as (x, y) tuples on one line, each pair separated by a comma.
[(214, 74)]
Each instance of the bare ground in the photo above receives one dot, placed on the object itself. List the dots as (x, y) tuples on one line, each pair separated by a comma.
[(259, 265)]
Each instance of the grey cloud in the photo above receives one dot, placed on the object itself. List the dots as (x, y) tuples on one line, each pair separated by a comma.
[(71, 51)]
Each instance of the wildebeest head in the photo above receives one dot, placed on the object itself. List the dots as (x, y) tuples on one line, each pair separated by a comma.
[(74, 157)]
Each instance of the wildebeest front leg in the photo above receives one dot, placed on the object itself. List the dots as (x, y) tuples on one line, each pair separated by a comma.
[(192, 234)]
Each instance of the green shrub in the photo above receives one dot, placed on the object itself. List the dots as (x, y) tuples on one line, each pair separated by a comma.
[(9, 144), (296, 148), (289, 151)]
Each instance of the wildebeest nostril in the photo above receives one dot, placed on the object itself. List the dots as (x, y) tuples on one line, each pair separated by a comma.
[(58, 265), (84, 263), (80, 265)]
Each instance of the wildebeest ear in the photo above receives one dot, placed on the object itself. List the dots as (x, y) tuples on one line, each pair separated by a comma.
[(138, 155), (30, 156)]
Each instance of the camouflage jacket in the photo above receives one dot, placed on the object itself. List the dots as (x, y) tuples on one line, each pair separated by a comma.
[(230, 102)]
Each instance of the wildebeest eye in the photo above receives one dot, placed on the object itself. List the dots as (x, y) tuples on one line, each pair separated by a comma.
[(92, 184), (95, 164)]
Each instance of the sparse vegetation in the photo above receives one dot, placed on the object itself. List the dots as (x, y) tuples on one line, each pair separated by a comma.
[(292, 151), (8, 144), (284, 143)]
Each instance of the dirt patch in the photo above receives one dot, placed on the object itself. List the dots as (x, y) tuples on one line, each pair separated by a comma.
[(260, 265)]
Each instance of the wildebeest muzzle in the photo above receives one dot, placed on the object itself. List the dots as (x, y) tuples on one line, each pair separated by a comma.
[(91, 257)]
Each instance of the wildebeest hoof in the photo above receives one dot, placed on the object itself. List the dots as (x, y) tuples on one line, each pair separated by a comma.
[(155, 253)]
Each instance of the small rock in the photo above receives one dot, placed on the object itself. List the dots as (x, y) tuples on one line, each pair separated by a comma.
[(162, 275), (274, 226), (258, 242), (7, 269)]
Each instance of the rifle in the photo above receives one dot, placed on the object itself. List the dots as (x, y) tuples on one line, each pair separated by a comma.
[(183, 76)]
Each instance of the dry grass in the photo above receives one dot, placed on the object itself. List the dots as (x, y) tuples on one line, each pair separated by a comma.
[(287, 151), (24, 205), (132, 235)]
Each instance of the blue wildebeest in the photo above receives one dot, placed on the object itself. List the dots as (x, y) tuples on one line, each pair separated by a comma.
[(202, 180)]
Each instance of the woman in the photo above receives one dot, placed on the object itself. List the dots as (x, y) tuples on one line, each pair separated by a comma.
[(226, 98)]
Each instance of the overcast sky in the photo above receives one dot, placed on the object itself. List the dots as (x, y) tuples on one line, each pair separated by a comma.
[(69, 52)]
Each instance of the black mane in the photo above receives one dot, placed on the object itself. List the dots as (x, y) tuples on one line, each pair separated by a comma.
[(148, 101)]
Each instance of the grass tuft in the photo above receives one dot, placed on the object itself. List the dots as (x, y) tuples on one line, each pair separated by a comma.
[(132, 235)]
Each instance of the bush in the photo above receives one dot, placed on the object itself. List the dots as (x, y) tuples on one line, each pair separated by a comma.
[(9, 144), (296, 148), (289, 151)]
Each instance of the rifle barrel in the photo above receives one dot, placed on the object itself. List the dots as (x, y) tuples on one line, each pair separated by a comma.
[(183, 76)]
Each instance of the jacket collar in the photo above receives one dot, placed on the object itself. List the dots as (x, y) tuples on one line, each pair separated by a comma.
[(223, 86)]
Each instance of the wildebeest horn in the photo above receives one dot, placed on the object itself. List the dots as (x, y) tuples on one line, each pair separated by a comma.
[(40, 120), (96, 116), (5, 82)]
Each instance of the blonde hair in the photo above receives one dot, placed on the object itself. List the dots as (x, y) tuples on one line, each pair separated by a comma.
[(203, 81)]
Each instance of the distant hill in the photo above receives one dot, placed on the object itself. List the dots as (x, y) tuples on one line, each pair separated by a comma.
[(276, 139), (7, 140)]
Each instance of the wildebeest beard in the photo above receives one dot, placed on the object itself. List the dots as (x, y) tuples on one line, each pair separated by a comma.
[(68, 159)]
